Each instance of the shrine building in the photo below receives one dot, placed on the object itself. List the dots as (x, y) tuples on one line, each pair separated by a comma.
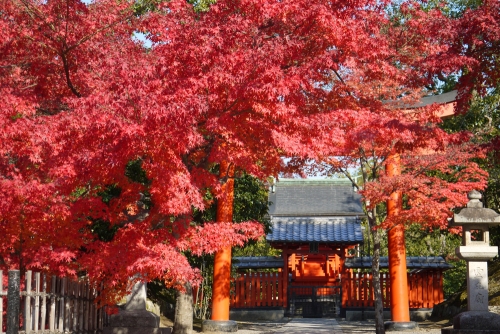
[(322, 271)]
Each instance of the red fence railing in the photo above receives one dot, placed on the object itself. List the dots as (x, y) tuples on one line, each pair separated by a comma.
[(257, 290), (254, 290), (425, 289)]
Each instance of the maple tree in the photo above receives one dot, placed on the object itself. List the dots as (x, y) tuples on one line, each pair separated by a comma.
[(247, 82), (75, 114), (477, 39)]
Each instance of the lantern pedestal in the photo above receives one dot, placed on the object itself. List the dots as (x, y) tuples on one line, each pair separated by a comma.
[(474, 322)]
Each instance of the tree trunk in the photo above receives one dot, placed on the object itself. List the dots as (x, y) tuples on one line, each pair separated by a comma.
[(183, 322), (377, 290)]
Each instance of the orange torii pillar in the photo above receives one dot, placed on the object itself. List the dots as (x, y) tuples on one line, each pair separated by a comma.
[(222, 263), (400, 307)]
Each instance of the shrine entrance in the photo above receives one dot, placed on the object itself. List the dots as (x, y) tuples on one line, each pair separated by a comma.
[(315, 301)]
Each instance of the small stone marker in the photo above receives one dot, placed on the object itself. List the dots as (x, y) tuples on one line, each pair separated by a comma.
[(134, 318), (136, 300), (476, 250)]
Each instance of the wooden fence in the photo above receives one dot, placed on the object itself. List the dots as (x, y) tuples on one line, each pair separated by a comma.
[(425, 289), (49, 304), (257, 290), (357, 290)]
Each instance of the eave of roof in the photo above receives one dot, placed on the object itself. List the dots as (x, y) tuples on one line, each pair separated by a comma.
[(412, 262), (257, 262), (335, 230)]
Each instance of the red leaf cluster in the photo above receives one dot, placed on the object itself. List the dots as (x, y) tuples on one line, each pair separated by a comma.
[(248, 82)]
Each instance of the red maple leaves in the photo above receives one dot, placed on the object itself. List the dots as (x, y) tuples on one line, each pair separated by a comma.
[(248, 82)]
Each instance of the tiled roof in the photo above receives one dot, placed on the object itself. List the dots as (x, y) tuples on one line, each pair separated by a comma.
[(257, 262), (412, 262), (330, 197), (343, 230)]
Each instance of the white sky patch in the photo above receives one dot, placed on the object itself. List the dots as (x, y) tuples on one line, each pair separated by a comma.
[(141, 38)]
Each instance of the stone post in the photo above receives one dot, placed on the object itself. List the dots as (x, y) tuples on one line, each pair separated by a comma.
[(476, 250), (133, 318), (13, 302)]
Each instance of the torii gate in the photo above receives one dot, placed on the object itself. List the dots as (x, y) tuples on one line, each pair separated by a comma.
[(400, 308)]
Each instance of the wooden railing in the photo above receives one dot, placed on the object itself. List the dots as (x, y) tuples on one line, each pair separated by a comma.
[(257, 290), (425, 289), (50, 305), (357, 289)]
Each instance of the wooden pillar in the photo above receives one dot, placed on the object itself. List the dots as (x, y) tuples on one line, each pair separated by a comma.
[(222, 261), (285, 254), (397, 251)]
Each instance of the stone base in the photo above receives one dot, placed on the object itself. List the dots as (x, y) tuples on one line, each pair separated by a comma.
[(450, 330), (353, 314), (474, 322), (391, 326), (141, 318), (136, 330), (219, 326), (256, 314), (135, 322)]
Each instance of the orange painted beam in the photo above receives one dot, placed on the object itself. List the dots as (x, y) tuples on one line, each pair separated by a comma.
[(397, 251), (222, 261)]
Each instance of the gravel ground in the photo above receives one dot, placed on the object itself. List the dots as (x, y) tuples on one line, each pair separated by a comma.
[(331, 326), (340, 327)]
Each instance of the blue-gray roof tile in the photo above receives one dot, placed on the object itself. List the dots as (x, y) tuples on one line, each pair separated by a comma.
[(344, 230), (412, 262), (330, 197), (257, 262)]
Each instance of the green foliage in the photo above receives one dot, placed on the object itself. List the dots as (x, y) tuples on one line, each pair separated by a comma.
[(482, 118), (136, 173), (495, 235), (250, 200), (454, 280), (103, 229), (259, 248), (109, 192), (202, 5), (141, 7), (367, 247), (426, 242), (159, 294), (79, 192), (203, 294), (455, 8), (450, 8), (250, 203)]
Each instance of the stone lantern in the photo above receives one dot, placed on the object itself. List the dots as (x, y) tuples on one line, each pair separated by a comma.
[(476, 250)]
